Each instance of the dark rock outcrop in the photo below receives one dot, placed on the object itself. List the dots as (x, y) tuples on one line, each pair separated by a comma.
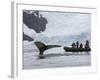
[(34, 20), (26, 37)]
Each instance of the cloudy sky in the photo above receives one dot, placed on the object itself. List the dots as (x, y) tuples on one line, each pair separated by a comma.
[(63, 24), (60, 23)]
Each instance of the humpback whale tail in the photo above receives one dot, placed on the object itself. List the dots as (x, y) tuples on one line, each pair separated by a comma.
[(42, 47)]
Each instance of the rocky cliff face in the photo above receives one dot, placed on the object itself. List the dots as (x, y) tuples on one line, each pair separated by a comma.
[(34, 20)]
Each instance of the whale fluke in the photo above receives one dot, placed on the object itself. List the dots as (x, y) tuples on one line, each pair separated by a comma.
[(42, 47)]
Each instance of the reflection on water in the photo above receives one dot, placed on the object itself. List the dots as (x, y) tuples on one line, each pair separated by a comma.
[(51, 60), (65, 54)]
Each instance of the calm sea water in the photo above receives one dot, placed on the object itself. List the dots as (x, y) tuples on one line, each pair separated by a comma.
[(54, 58)]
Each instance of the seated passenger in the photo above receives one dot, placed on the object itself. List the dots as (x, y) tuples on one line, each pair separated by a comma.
[(81, 45)]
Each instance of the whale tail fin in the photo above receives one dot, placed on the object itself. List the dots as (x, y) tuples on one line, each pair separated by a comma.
[(42, 47), (52, 46)]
